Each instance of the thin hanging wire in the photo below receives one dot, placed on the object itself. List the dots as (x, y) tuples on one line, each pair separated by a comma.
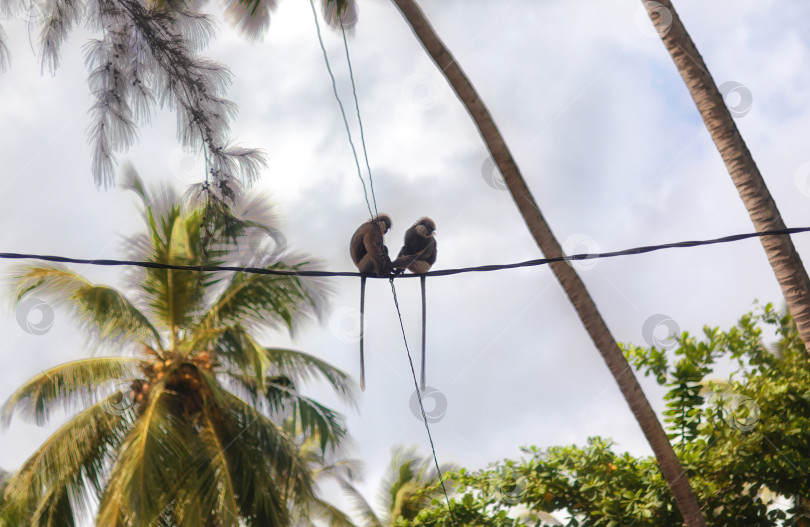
[(421, 405), (340, 103), (359, 119)]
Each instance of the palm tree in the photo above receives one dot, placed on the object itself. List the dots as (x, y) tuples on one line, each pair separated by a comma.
[(410, 485), (182, 424), (782, 255)]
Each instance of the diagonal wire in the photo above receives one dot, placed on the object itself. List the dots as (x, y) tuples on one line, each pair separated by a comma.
[(421, 405), (359, 119), (340, 103)]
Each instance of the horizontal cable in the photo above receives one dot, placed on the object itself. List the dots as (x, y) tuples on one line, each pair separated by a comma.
[(445, 272)]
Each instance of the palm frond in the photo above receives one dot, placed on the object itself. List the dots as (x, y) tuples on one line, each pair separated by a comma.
[(149, 460), (320, 512), (173, 296), (102, 310), (361, 506), (67, 465), (242, 355), (340, 14), (5, 54), (403, 488), (262, 455), (280, 398), (303, 367), (250, 17), (67, 386), (259, 300), (218, 494)]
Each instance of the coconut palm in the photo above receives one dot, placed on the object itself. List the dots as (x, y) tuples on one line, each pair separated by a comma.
[(782, 254), (181, 425), (410, 485)]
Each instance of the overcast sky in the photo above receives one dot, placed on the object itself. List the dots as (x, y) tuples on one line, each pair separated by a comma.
[(605, 134)]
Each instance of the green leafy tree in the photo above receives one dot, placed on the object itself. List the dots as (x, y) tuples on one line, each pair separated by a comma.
[(182, 423), (743, 440)]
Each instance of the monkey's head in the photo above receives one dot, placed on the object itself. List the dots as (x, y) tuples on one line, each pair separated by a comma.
[(384, 222), (425, 227)]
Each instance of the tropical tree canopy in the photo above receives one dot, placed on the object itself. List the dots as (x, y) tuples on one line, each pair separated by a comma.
[(180, 415), (744, 441)]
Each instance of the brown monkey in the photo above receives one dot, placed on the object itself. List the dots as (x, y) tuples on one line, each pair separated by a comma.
[(418, 254), (367, 249), (370, 255)]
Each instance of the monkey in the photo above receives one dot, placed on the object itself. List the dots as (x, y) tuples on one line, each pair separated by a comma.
[(418, 254), (370, 255), (367, 249)]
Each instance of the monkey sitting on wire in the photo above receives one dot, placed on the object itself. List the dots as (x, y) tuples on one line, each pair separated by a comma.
[(370, 255), (418, 254)]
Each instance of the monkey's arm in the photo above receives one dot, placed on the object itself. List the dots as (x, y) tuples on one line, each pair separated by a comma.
[(426, 254), (404, 260), (373, 242)]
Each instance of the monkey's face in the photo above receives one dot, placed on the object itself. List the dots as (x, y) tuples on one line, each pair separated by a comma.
[(383, 222), (425, 228)]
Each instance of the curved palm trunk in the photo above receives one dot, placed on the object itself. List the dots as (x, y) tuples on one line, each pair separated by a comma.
[(782, 255), (573, 286)]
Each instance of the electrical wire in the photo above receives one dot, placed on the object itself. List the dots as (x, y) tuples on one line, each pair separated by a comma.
[(340, 103), (359, 119), (444, 272), (421, 405)]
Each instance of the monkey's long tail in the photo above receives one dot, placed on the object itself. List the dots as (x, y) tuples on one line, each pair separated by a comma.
[(424, 318), (362, 329)]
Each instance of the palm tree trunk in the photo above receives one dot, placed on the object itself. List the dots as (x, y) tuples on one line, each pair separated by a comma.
[(787, 266), (570, 281)]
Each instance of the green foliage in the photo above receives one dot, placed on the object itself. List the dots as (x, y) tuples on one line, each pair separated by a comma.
[(744, 443)]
